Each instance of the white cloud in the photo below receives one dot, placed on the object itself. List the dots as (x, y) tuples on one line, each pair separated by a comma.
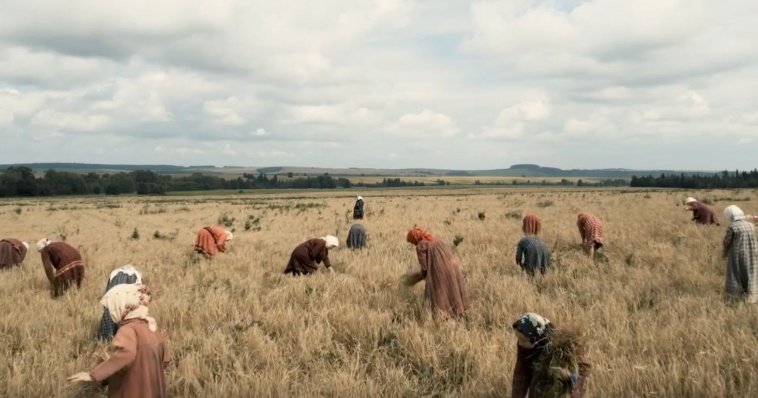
[(513, 121), (425, 123), (341, 82)]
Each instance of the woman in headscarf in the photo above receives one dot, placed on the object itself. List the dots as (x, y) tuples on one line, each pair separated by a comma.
[(120, 276), (440, 270), (591, 231), (531, 252), (12, 252), (308, 255), (701, 213), (550, 362), (356, 237), (63, 265), (531, 224), (137, 363), (212, 240), (359, 210), (741, 252)]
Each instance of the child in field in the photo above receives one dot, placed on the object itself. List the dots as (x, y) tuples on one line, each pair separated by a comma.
[(741, 252), (308, 255), (212, 240), (135, 368), (122, 275), (63, 265), (531, 251), (445, 287), (12, 252), (550, 362)]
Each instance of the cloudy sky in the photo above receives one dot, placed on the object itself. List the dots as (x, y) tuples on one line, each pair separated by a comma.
[(381, 83)]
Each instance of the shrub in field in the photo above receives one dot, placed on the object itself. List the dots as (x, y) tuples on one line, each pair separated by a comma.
[(226, 220), (515, 214), (545, 203), (18, 210), (135, 234), (481, 215), (457, 240)]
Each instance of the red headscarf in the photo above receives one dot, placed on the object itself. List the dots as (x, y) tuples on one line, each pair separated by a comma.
[(416, 235), (531, 225)]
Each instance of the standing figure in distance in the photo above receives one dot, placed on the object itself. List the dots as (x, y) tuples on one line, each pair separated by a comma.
[(359, 210), (741, 252), (63, 265), (445, 286)]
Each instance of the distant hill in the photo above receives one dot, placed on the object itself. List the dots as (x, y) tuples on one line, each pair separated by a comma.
[(516, 170)]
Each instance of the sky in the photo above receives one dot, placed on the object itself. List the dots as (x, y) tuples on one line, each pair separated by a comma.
[(644, 84)]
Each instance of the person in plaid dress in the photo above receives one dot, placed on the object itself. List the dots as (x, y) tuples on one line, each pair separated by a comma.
[(741, 252), (120, 276), (591, 230)]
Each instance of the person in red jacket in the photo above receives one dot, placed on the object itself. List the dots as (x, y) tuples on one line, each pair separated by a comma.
[(63, 265)]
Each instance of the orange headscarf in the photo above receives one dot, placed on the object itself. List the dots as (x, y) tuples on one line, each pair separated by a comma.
[(416, 235), (531, 225)]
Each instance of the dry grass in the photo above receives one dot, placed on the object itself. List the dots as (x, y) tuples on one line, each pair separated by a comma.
[(238, 327)]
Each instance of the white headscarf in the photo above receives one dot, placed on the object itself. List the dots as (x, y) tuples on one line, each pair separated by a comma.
[(360, 197), (690, 200), (128, 301), (229, 235), (26, 245), (733, 213), (129, 270), (331, 241), (42, 243)]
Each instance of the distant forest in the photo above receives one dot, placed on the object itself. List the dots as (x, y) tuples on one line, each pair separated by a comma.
[(723, 180), (21, 181)]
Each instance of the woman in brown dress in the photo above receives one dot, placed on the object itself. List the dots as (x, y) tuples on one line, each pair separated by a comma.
[(12, 252), (135, 368), (63, 265), (440, 270), (308, 255)]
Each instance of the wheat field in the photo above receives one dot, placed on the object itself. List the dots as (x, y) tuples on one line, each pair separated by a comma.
[(653, 313)]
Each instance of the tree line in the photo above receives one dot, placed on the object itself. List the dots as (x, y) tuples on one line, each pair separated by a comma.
[(21, 181), (723, 180)]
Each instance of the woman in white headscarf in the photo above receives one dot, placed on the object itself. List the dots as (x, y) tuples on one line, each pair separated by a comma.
[(119, 276), (359, 210), (308, 255), (139, 356), (741, 252)]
